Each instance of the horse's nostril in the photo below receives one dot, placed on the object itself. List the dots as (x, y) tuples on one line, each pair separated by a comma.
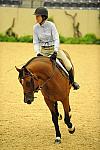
[(29, 102), (28, 98)]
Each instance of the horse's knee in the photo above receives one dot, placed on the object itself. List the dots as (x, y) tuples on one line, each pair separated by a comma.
[(56, 108), (54, 118)]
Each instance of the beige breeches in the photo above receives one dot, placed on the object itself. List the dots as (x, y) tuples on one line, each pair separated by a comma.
[(61, 55)]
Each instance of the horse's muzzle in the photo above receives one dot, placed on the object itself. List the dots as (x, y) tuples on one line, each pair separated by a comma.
[(28, 98)]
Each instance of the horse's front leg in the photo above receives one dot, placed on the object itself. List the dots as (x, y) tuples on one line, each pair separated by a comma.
[(67, 118), (51, 106), (57, 112)]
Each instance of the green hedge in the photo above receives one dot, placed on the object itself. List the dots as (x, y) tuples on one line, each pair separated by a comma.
[(87, 39), (5, 38), (27, 39)]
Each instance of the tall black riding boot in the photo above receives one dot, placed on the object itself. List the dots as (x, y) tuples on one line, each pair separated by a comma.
[(71, 78)]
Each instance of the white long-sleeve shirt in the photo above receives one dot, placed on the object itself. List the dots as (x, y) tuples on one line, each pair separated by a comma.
[(45, 35)]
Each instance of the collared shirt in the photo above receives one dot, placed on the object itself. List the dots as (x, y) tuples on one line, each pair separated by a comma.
[(45, 35)]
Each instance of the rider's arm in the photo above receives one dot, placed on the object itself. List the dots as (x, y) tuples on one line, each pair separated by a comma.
[(55, 38), (36, 41)]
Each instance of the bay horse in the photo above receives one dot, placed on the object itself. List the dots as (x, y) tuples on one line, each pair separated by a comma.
[(40, 73)]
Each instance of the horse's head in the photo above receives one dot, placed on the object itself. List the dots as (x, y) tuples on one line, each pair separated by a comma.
[(29, 83)]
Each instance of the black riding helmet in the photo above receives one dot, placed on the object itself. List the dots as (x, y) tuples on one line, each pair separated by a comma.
[(41, 11)]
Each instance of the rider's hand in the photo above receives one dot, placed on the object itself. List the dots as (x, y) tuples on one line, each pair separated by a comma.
[(39, 54), (53, 56)]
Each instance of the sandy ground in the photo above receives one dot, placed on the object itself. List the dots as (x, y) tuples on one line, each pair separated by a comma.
[(29, 127)]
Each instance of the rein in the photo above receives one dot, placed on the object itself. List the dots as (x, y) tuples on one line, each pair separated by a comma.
[(49, 77)]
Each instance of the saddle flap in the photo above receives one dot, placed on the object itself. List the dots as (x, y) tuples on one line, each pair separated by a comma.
[(61, 67)]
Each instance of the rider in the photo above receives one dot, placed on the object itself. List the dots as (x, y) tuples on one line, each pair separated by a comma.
[(46, 41)]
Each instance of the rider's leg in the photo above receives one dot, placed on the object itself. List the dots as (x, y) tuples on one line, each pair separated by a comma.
[(68, 66), (65, 60), (71, 77)]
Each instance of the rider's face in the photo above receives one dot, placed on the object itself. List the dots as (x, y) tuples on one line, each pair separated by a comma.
[(38, 19)]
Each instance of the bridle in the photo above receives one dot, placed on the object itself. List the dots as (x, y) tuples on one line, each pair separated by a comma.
[(31, 81)]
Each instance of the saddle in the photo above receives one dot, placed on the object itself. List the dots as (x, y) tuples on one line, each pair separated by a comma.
[(60, 65)]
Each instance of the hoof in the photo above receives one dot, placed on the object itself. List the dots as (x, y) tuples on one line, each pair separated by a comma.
[(71, 130), (57, 140), (60, 117)]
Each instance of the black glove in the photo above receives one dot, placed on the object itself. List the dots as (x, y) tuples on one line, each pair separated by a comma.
[(53, 56), (39, 54)]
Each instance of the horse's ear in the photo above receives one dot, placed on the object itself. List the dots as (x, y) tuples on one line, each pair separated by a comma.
[(17, 69)]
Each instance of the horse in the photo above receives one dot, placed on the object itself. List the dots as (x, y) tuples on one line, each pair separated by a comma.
[(40, 73)]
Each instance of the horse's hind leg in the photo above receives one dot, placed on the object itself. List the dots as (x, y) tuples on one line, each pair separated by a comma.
[(57, 112), (71, 127), (67, 120), (54, 119), (70, 115), (69, 109)]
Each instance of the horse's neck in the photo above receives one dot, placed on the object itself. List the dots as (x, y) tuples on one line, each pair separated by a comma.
[(43, 70)]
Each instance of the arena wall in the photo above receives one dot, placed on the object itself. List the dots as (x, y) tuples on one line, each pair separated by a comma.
[(24, 20)]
